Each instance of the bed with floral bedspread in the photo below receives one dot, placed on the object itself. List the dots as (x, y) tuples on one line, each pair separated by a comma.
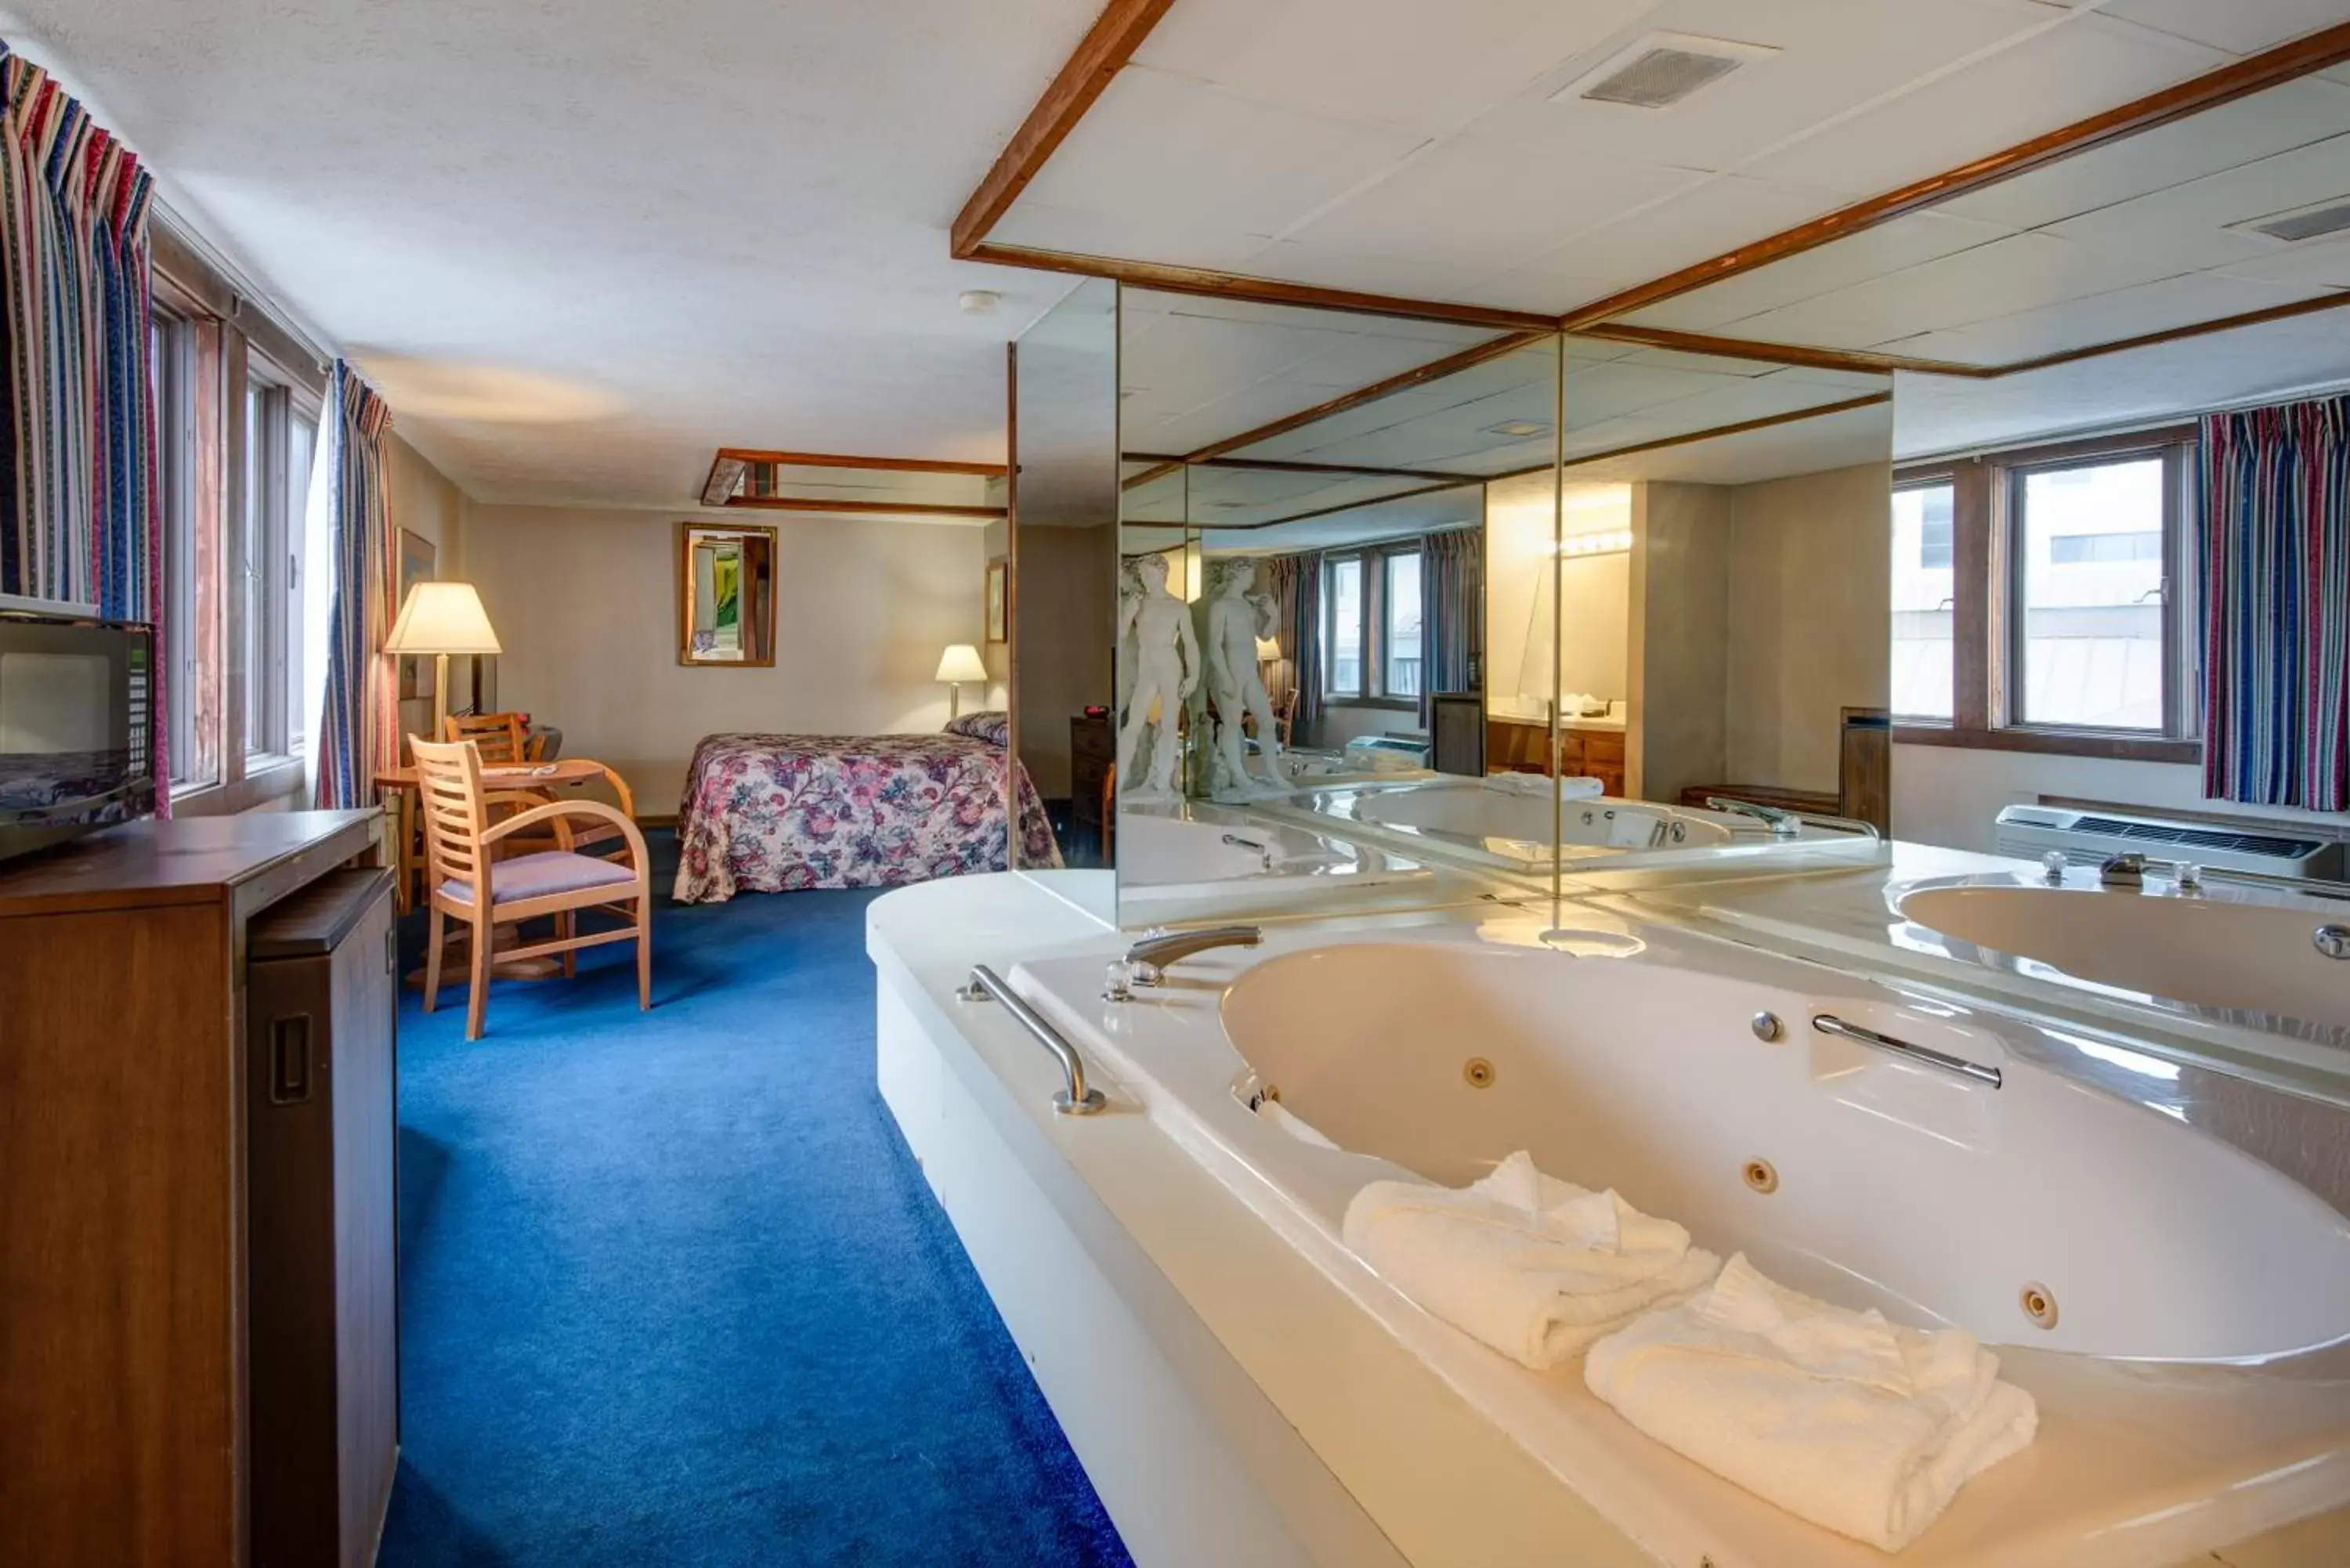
[(772, 813)]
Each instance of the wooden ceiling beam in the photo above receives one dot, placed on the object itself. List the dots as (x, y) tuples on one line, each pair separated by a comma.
[(2256, 73), (835, 459), (1858, 361), (863, 508), (1107, 44)]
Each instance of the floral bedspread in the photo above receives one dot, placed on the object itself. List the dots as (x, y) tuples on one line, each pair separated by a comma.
[(775, 813)]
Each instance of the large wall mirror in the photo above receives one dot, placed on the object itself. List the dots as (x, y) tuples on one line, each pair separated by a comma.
[(1061, 545), (725, 594)]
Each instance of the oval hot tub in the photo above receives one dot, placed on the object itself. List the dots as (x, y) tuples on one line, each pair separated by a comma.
[(1909, 1187)]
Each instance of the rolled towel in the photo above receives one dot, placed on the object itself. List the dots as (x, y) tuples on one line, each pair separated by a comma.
[(1535, 1267), (1838, 1416)]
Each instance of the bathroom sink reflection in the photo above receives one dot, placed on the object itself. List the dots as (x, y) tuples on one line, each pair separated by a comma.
[(2222, 948)]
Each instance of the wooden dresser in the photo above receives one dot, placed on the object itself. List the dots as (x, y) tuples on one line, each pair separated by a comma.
[(1093, 752), (1518, 745), (198, 1355)]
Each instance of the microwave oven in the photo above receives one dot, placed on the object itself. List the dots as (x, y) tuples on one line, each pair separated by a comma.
[(77, 741)]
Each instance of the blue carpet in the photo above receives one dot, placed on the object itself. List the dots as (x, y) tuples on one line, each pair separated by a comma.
[(674, 1291)]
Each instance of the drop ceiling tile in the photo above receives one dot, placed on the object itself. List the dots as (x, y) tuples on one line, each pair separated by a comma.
[(2102, 318), (2064, 73), (2021, 271), (1834, 57), (2292, 115), (2187, 223), (1395, 409), (1390, 62), (1341, 267), (1872, 253), (1480, 206), (1154, 302), (1169, 152), (1704, 221), (2239, 26), (2321, 264), (1197, 358)]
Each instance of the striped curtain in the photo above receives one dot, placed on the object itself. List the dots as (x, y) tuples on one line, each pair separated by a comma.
[(359, 726), (2274, 489), (1452, 620), (80, 516), (1295, 584)]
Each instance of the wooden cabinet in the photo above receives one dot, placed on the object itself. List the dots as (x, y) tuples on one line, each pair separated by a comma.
[(134, 1247), (1518, 745), (1093, 752)]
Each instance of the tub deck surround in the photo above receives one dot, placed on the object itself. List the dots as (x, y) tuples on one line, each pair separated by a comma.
[(1506, 832), (1183, 859), (1866, 920), (1236, 1218)]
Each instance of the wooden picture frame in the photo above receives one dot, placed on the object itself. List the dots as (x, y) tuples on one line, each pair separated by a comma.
[(419, 563), (999, 628), (726, 596)]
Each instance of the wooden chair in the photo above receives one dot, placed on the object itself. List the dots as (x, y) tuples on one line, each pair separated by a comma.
[(503, 738), (468, 883)]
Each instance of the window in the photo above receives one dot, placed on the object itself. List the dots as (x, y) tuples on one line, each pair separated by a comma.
[(2089, 606), (1372, 647), (1924, 589), (1399, 658), (188, 603), (1343, 643), (2039, 601), (280, 432)]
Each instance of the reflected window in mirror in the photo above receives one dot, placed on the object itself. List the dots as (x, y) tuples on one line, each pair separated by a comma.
[(1342, 640), (1373, 641), (1924, 599), (1399, 654), (2091, 612)]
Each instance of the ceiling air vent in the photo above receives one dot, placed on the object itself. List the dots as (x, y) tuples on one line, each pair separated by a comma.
[(1662, 69), (2308, 223)]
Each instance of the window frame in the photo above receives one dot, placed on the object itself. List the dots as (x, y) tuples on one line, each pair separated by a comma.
[(1372, 634), (1929, 477), (1987, 623)]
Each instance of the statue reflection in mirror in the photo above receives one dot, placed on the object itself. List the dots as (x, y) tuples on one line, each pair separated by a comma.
[(1238, 616), (1155, 640)]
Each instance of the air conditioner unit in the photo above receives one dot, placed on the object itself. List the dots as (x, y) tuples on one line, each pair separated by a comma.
[(2087, 837)]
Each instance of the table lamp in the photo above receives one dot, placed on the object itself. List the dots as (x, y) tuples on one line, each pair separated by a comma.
[(961, 662), (439, 620)]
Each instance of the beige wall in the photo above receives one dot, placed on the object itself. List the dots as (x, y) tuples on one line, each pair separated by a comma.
[(1067, 626), (585, 603), (1809, 604), (424, 501), (1678, 586)]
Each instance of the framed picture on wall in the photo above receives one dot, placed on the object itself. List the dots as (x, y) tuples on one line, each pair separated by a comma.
[(997, 631), (417, 564)]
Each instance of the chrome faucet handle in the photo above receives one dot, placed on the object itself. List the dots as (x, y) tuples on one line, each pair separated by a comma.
[(1782, 823), (2126, 870), (1148, 959)]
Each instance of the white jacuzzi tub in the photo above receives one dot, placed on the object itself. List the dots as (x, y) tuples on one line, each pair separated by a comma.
[(2177, 1261)]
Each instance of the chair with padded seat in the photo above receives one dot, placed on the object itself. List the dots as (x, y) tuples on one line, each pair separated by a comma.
[(461, 851), (506, 742)]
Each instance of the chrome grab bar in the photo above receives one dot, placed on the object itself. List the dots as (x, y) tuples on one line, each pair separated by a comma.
[(1829, 1024), (1784, 823), (1076, 1100)]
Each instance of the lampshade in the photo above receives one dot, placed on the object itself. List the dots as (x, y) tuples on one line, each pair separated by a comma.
[(442, 618), (961, 662), (1267, 649)]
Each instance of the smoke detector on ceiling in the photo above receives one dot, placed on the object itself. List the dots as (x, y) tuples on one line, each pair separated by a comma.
[(1520, 428), (1661, 70), (2330, 216)]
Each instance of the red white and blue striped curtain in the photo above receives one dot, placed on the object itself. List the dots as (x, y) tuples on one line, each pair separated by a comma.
[(2274, 488), (359, 728), (80, 515)]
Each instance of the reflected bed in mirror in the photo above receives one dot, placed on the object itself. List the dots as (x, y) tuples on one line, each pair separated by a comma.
[(725, 594)]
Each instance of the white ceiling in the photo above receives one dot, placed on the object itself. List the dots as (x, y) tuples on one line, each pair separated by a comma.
[(2135, 237), (580, 247), (1411, 146)]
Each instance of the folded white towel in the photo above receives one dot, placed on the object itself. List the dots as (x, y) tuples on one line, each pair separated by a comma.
[(1295, 1125), (1535, 1267), (1837, 1416), (1573, 787)]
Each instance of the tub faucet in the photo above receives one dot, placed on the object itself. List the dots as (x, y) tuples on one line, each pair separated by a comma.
[(1147, 959), (1263, 851), (2128, 870), (1783, 824)]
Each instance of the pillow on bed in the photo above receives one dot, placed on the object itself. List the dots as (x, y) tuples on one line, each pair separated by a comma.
[(993, 725)]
